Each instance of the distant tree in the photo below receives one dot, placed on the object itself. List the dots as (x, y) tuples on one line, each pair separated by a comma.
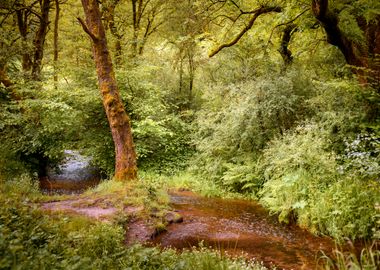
[(31, 18), (39, 39), (145, 22), (55, 39), (125, 156), (108, 12)]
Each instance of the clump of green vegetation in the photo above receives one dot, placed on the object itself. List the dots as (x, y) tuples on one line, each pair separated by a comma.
[(369, 258), (187, 180), (303, 183), (24, 187)]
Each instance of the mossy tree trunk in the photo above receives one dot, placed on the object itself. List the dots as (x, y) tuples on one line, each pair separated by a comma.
[(125, 160)]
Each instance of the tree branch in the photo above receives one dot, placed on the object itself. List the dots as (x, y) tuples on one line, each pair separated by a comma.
[(257, 13), (286, 54), (285, 23), (319, 8), (85, 28)]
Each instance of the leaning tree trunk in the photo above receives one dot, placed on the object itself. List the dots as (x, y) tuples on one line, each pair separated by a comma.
[(125, 160), (363, 57)]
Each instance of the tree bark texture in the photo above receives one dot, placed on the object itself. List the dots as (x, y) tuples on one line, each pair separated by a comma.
[(125, 155), (364, 58)]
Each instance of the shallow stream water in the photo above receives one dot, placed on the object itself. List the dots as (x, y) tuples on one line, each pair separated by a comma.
[(74, 174), (242, 227)]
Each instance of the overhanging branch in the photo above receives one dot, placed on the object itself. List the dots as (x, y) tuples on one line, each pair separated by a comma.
[(257, 13)]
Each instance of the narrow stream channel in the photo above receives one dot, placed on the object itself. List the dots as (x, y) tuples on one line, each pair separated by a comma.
[(238, 226)]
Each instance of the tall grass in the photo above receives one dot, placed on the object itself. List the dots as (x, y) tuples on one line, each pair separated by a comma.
[(367, 259)]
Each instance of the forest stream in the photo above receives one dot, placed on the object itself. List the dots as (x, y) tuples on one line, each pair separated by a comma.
[(241, 227)]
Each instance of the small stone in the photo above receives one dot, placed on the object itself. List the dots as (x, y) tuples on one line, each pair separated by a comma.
[(172, 217)]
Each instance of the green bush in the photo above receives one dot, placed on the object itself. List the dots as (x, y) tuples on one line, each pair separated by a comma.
[(237, 122), (347, 209), (303, 183), (35, 129)]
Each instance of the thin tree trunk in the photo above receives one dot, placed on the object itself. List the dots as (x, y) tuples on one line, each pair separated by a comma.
[(135, 27), (286, 54), (191, 76), (125, 156), (56, 24), (109, 17), (39, 40), (22, 23), (180, 75), (118, 52)]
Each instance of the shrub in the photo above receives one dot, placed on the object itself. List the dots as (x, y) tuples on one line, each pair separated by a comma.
[(239, 120), (303, 183)]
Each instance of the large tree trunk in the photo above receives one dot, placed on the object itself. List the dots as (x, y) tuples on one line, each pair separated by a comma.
[(364, 58), (125, 160)]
